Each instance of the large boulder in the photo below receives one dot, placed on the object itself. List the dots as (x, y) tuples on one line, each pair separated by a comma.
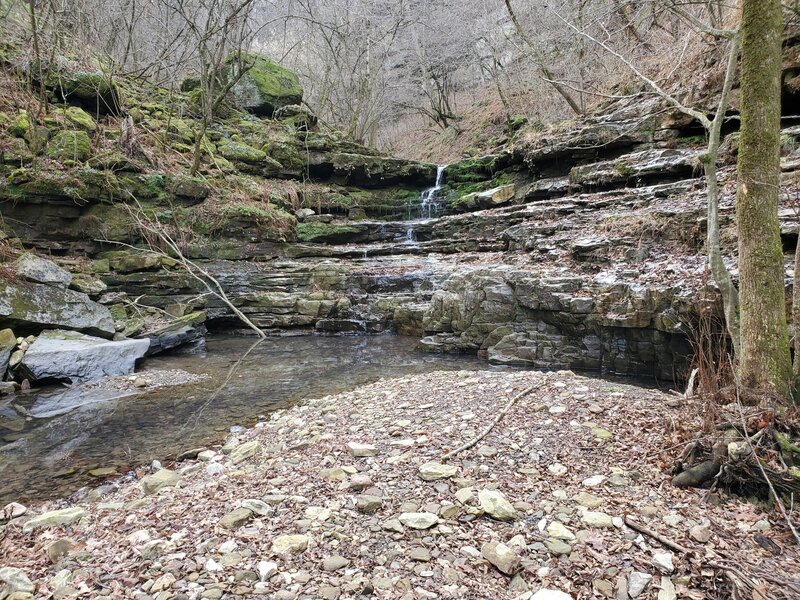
[(67, 355), (32, 307), (265, 87)]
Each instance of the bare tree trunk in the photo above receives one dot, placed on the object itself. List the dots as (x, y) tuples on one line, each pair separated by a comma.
[(764, 361), (796, 311), (721, 274)]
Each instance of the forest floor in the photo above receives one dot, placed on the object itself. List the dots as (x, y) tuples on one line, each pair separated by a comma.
[(349, 496)]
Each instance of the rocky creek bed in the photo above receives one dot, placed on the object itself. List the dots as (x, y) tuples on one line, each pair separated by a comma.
[(349, 496), (55, 440)]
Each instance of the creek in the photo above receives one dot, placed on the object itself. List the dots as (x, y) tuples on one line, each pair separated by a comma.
[(52, 439)]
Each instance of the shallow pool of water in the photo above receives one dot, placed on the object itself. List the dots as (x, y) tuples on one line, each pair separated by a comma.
[(66, 434)]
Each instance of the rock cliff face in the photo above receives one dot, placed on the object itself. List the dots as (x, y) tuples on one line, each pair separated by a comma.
[(578, 247)]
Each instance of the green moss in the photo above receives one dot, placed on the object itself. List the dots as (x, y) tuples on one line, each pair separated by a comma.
[(107, 222), (241, 152), (20, 126), (471, 170), (265, 87), (80, 119), (70, 145), (311, 232)]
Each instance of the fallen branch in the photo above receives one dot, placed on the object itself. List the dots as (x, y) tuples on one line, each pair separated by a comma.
[(655, 535), (496, 420)]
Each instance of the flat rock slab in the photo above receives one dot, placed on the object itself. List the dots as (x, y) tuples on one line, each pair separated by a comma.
[(66, 355), (65, 516), (35, 306), (40, 270)]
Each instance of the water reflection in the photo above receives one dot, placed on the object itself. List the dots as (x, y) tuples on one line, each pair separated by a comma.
[(51, 440)]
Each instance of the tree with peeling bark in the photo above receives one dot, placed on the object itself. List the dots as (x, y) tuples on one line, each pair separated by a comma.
[(764, 359)]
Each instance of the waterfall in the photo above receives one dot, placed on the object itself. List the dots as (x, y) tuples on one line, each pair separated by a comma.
[(431, 200)]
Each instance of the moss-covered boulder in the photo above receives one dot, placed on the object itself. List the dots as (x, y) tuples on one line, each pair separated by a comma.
[(265, 87), (92, 90), (70, 145), (80, 119), (19, 125), (334, 233), (241, 152)]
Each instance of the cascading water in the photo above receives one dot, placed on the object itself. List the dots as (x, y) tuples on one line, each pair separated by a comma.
[(430, 204)]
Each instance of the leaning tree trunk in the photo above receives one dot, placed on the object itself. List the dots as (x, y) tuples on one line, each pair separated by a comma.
[(764, 362)]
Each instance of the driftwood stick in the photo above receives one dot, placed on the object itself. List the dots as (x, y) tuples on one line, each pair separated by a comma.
[(655, 535), (496, 420)]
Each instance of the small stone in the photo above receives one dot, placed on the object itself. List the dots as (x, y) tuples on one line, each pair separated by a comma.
[(557, 469), (502, 557), (637, 582), (361, 450), (163, 583), (393, 525), (206, 455), (236, 518), (258, 507), (701, 533), (65, 516), (667, 591), (558, 547), (663, 562), (599, 520), (360, 482), (334, 563), (588, 500), (518, 584), (559, 531), (12, 510), (16, 580), (244, 451), (419, 554), (464, 495), (594, 481), (329, 592), (334, 474), (290, 544), (495, 504), (368, 504), (432, 471), (419, 520), (59, 549), (603, 587), (159, 480), (602, 434), (266, 569)]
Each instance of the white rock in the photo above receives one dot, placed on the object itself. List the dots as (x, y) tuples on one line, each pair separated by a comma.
[(557, 469), (599, 520), (213, 566), (432, 471), (12, 511), (663, 562), (502, 557), (637, 582), (419, 520), (594, 481), (266, 569), (258, 507), (559, 531), (290, 544), (16, 580), (361, 450), (667, 591), (495, 504), (244, 451), (215, 469)]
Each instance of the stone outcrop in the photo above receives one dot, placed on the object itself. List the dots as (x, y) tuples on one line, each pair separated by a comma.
[(32, 307)]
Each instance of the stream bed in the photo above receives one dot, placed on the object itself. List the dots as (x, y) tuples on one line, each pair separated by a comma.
[(69, 432)]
